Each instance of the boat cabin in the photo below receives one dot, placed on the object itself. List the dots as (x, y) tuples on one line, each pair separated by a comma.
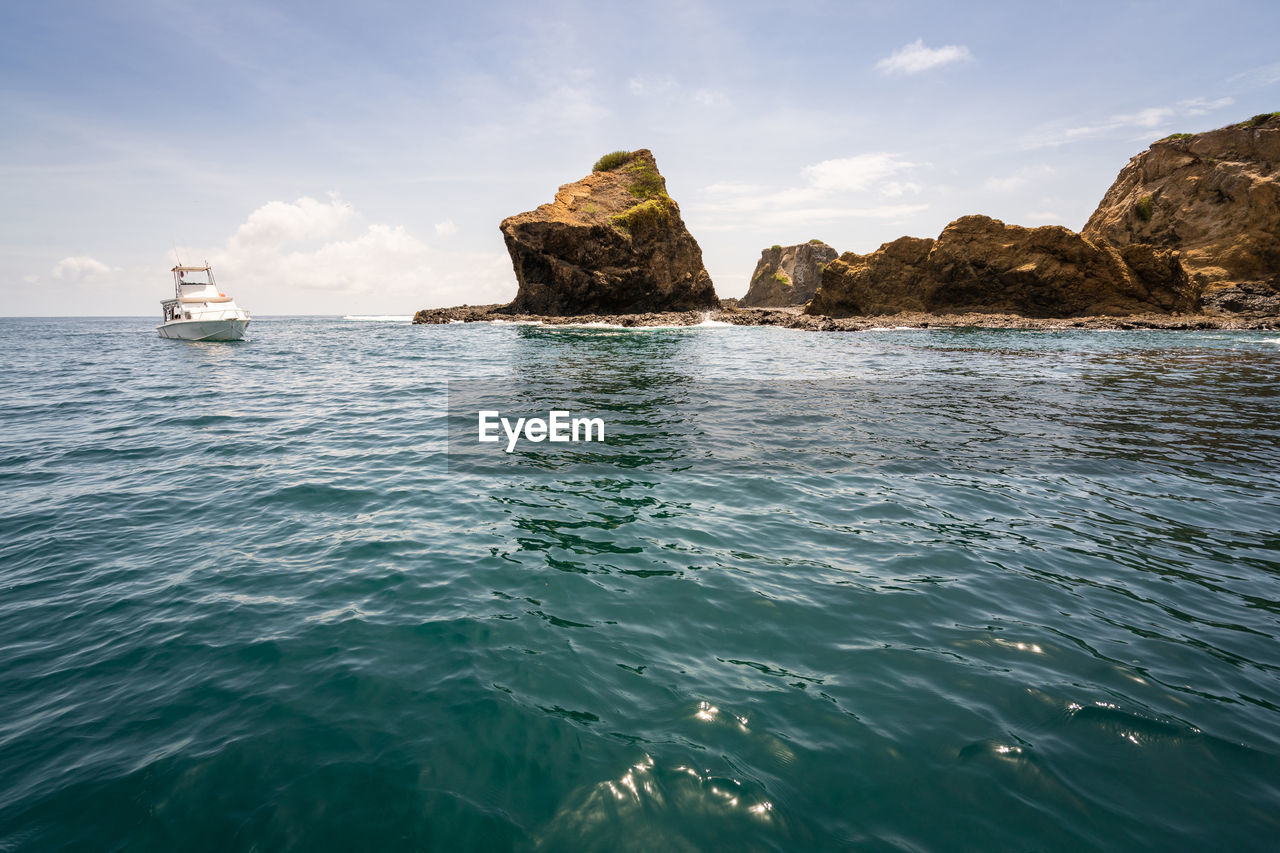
[(196, 284)]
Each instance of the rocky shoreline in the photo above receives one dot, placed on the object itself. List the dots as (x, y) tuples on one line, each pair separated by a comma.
[(1187, 237), (793, 318)]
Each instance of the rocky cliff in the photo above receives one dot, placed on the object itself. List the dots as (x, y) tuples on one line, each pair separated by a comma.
[(979, 264), (788, 275), (1215, 198), (1192, 223), (611, 243)]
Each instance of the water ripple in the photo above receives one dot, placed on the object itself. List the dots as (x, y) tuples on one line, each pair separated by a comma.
[(898, 590)]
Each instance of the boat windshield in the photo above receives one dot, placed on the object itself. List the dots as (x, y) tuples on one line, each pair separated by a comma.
[(188, 281), (194, 277)]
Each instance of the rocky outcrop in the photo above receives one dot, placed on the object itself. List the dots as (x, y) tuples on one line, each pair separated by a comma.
[(1246, 297), (886, 281), (1191, 223), (611, 243), (788, 275), (1214, 197), (979, 264)]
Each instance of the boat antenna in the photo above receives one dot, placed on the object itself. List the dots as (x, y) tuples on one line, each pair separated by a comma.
[(175, 254)]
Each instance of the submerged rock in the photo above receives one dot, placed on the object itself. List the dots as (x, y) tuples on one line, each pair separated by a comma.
[(1215, 198), (788, 275), (611, 243), (979, 264)]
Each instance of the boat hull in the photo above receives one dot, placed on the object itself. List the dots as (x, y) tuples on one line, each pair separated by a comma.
[(204, 330)]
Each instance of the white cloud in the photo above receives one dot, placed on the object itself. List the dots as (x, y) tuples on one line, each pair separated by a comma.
[(649, 85), (1150, 120), (312, 256), (1019, 179), (710, 98), (82, 268), (833, 190), (446, 228), (731, 188), (915, 58), (1266, 75), (570, 105), (384, 257), (671, 89), (855, 173), (793, 196), (716, 219), (278, 222), (1150, 117), (1203, 106), (896, 189)]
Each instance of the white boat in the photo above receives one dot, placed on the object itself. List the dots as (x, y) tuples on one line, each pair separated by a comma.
[(198, 312)]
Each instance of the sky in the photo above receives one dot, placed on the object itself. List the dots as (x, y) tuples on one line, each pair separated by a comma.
[(356, 158)]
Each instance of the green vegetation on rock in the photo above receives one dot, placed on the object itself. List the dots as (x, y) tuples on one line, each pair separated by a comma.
[(1260, 118), (816, 242), (655, 211), (646, 183), (781, 278), (1171, 137), (611, 161), (1144, 208), (775, 248)]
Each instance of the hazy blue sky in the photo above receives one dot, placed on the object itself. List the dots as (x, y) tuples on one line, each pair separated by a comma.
[(357, 157)]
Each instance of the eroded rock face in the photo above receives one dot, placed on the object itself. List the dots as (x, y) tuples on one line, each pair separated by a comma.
[(788, 275), (1214, 197), (979, 264), (611, 243), (887, 281), (1246, 297)]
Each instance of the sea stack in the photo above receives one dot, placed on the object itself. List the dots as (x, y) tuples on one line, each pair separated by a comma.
[(1213, 197), (611, 243), (788, 275)]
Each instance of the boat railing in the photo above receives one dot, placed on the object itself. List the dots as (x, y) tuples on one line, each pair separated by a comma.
[(220, 315)]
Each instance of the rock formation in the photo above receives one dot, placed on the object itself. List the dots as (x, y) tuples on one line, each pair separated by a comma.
[(611, 243), (979, 264), (886, 281), (1190, 225), (788, 275), (1193, 222), (1215, 198)]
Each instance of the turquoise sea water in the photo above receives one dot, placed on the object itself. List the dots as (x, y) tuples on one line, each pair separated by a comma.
[(899, 590)]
